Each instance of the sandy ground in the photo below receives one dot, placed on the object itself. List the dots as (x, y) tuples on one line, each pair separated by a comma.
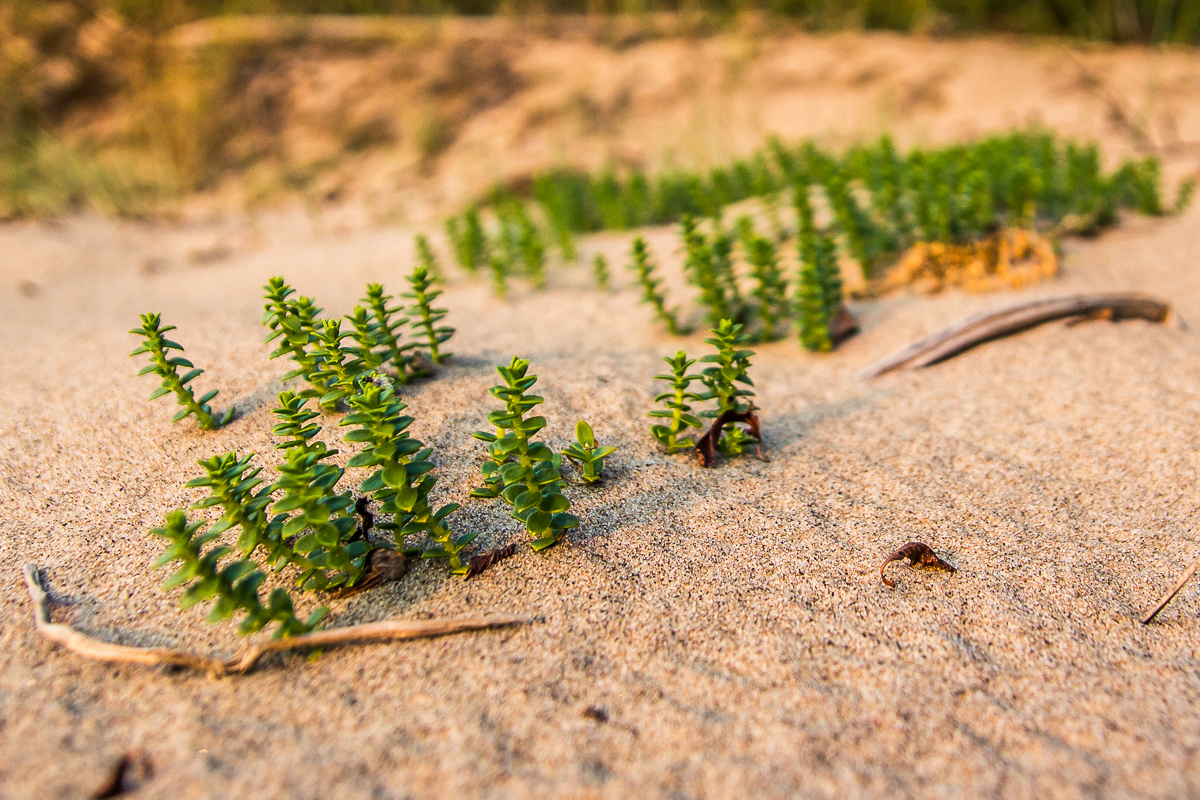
[(729, 622)]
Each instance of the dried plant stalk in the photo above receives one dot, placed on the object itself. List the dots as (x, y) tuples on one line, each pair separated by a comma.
[(979, 328), (88, 647), (1169, 596), (706, 445)]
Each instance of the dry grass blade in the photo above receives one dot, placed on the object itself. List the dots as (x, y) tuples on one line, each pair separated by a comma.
[(88, 647), (974, 330), (1169, 596), (918, 554)]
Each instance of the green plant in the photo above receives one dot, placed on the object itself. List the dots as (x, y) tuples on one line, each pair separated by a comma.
[(600, 272), (401, 482), (384, 328), (651, 286), (678, 410), (523, 472), (234, 586), (233, 484), (499, 276), (533, 251), (340, 367), (469, 240), (426, 258), (1183, 195), (585, 454), (167, 367), (425, 317), (726, 380), (771, 288), (321, 517), (705, 272), (294, 322)]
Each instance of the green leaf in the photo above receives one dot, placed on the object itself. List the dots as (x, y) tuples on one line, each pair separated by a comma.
[(538, 523), (553, 503), (584, 433), (541, 544), (564, 521), (465, 539)]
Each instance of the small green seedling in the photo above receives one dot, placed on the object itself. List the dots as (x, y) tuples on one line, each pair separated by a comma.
[(499, 276), (167, 367), (651, 291), (523, 472), (820, 296), (294, 323), (585, 454), (385, 329), (469, 240), (771, 288), (600, 272), (678, 410), (726, 380), (425, 317)]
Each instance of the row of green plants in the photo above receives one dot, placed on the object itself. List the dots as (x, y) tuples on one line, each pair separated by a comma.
[(720, 262), (879, 201), (308, 521)]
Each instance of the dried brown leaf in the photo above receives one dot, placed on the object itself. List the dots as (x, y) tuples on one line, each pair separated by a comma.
[(483, 561), (383, 566), (918, 554)]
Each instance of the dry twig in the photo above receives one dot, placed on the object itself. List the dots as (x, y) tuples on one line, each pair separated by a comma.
[(979, 328), (1169, 596), (88, 647), (918, 554)]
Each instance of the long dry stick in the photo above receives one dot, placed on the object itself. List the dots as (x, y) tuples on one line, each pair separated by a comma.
[(967, 333), (1169, 596), (86, 646)]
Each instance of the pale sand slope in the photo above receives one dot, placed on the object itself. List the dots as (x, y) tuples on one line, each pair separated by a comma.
[(730, 621)]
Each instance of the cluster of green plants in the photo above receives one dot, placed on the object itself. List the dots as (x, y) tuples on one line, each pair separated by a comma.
[(515, 247), (305, 520), (725, 381), (718, 264), (880, 200), (525, 473)]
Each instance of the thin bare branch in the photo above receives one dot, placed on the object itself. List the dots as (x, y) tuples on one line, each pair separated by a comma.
[(979, 328), (1169, 596), (88, 647)]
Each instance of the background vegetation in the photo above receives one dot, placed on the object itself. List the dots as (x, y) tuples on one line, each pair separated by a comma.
[(65, 59)]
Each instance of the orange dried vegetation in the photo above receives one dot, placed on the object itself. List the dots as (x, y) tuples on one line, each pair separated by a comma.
[(1010, 258)]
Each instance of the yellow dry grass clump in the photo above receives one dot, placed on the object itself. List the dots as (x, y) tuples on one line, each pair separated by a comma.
[(1010, 258)]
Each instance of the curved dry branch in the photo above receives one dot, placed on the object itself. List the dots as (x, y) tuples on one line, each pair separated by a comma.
[(88, 647), (979, 328)]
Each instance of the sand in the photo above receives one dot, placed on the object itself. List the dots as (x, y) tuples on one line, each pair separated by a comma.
[(729, 623)]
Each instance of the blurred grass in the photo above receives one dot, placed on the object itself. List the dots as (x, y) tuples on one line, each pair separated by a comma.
[(61, 60)]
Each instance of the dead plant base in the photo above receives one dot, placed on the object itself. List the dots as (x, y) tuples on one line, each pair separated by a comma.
[(1010, 258)]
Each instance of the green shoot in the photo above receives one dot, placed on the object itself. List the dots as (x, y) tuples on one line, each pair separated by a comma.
[(469, 240), (585, 454), (323, 521), (427, 259), (600, 272), (340, 367), (167, 367), (705, 271), (400, 481), (771, 288), (730, 365), (499, 276), (523, 472), (651, 291), (232, 484), (385, 329), (533, 251), (820, 296), (678, 410), (425, 317), (293, 322), (234, 586)]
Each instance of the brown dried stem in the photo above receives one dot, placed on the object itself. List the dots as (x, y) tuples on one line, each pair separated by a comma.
[(1169, 596), (88, 647), (979, 328), (706, 445), (918, 554)]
